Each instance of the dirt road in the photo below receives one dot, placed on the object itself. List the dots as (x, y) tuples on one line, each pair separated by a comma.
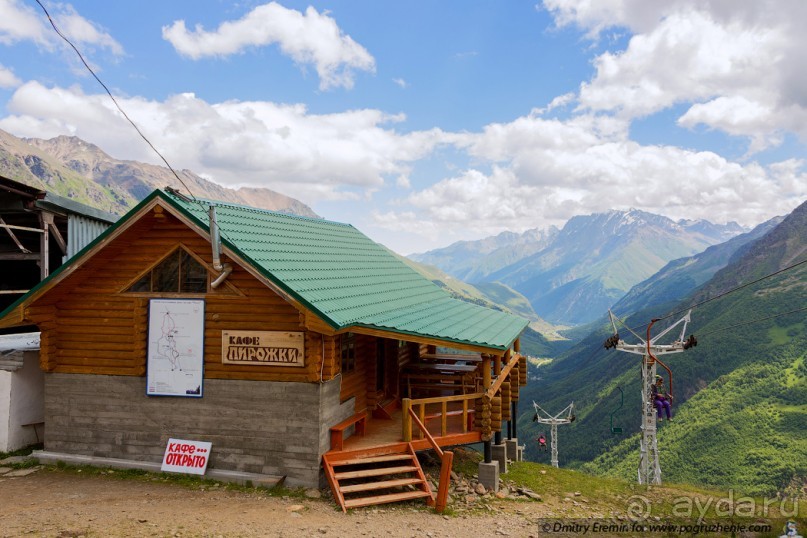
[(56, 503)]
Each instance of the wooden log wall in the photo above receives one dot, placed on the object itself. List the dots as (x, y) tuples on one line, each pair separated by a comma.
[(354, 384), (91, 325)]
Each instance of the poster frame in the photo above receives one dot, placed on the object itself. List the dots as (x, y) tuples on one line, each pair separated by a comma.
[(149, 348)]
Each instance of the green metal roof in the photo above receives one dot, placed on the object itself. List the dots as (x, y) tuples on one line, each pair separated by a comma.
[(347, 279), (334, 270)]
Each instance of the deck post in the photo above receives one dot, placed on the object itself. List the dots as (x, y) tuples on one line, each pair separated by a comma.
[(513, 450), (485, 373), (406, 405), (488, 452)]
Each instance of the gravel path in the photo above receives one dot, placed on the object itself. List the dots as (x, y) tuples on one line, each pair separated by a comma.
[(56, 503)]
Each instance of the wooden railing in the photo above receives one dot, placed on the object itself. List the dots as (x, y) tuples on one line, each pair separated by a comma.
[(446, 460), (418, 410), (500, 386), (497, 384)]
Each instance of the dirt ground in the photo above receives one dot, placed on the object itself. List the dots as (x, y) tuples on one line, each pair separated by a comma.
[(56, 503)]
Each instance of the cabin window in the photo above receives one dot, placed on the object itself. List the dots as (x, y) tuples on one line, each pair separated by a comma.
[(179, 272), (347, 351)]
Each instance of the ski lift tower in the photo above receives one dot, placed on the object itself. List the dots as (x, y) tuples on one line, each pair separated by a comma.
[(649, 468), (564, 417)]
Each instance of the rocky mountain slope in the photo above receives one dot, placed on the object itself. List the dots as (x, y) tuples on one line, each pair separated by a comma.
[(73, 168)]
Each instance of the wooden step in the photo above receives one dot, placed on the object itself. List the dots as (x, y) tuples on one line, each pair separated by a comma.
[(369, 486), (394, 448), (375, 472), (389, 498), (376, 459)]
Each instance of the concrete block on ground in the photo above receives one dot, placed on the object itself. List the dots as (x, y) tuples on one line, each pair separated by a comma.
[(489, 475), (512, 449), (499, 453)]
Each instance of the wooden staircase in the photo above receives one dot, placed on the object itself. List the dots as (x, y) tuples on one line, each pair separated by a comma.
[(376, 475)]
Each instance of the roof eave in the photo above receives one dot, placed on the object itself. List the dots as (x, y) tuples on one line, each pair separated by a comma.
[(374, 330), (75, 262)]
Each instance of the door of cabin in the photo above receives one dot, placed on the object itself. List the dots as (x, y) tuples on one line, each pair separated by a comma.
[(386, 379)]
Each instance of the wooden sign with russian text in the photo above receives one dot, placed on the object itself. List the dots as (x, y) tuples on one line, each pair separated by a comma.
[(263, 348)]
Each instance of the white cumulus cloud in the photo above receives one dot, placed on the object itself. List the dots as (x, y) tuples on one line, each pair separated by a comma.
[(545, 171), (308, 38), (21, 22), (8, 79), (255, 143), (735, 63)]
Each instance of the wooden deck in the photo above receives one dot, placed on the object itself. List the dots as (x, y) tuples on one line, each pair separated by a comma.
[(382, 432)]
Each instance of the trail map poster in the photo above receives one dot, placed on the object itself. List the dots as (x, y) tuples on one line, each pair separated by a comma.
[(175, 360)]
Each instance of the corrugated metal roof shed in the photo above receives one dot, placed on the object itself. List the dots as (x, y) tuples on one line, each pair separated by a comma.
[(349, 280)]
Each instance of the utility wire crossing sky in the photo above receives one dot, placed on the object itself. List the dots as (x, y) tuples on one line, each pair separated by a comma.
[(423, 123)]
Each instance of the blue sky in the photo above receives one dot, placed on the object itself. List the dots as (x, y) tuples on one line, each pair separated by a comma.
[(424, 123)]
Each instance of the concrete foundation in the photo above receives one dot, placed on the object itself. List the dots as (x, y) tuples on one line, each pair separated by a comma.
[(236, 477), (489, 475), (499, 453), (513, 452), (258, 427)]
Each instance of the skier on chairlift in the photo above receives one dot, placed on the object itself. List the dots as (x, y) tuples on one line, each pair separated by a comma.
[(661, 399), (542, 442)]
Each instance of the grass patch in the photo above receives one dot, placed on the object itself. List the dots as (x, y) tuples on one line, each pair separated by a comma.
[(191, 482), (21, 452), (616, 496)]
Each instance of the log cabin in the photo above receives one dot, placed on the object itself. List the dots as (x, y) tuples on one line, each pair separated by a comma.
[(297, 346)]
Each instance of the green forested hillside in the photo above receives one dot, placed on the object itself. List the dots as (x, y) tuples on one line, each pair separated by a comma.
[(741, 394), (748, 430)]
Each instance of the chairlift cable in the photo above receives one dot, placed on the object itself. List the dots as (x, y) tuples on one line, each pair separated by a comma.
[(721, 295), (753, 321)]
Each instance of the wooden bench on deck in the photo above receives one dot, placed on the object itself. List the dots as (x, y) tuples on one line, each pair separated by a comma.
[(438, 377), (338, 431)]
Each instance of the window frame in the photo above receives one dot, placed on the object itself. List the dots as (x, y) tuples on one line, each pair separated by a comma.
[(147, 272), (347, 353)]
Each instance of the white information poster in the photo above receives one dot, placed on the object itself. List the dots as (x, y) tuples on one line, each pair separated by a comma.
[(175, 356), (183, 456)]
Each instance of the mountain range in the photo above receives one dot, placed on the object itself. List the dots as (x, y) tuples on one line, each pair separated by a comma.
[(740, 405), (76, 169), (73, 168), (741, 399), (572, 275)]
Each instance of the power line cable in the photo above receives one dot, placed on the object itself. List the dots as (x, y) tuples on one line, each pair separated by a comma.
[(754, 321), (125, 115), (721, 295), (718, 296)]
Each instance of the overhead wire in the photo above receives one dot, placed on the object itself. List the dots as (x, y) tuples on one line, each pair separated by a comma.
[(738, 288), (804, 309), (120, 109), (721, 295), (125, 115)]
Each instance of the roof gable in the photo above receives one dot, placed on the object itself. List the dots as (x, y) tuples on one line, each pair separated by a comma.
[(329, 268)]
